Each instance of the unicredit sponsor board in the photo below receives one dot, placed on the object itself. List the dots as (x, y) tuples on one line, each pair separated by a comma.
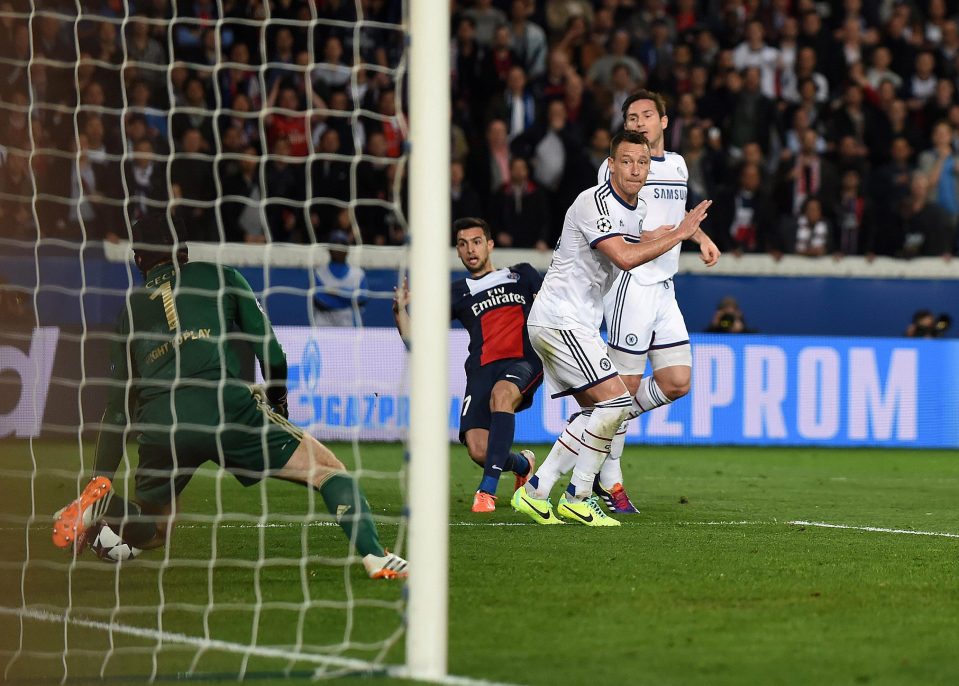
[(746, 389)]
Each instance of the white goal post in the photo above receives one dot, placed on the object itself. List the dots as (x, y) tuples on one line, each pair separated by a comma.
[(428, 499)]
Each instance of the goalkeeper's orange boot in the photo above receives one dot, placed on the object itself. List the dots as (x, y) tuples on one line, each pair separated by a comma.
[(389, 566), (484, 502), (71, 523), (521, 480)]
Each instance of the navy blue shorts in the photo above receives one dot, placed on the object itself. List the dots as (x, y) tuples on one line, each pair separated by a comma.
[(526, 374)]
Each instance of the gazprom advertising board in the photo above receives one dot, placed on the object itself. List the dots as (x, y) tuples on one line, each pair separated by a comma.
[(746, 389)]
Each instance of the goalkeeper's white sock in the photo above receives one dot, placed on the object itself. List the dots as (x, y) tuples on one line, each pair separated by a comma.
[(561, 457), (611, 472), (648, 397), (597, 439)]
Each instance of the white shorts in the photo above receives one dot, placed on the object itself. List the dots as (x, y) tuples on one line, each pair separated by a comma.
[(643, 320), (573, 360)]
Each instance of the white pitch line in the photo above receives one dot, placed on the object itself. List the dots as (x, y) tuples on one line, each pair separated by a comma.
[(877, 529), (396, 671)]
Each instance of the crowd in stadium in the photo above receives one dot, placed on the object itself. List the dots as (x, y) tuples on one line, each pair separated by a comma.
[(817, 128)]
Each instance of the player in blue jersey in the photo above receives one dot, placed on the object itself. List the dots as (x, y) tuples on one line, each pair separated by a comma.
[(502, 371)]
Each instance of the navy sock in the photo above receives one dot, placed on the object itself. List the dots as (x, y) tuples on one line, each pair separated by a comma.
[(129, 523), (517, 464), (501, 428)]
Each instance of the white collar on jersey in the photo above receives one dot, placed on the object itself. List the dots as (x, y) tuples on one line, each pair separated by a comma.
[(622, 202), (497, 277)]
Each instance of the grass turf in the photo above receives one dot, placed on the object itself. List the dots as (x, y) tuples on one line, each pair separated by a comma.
[(711, 584)]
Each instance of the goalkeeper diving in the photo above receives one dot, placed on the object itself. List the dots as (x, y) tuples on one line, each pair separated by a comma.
[(176, 386)]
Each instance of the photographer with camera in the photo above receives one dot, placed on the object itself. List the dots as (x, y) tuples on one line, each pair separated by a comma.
[(728, 318), (926, 325)]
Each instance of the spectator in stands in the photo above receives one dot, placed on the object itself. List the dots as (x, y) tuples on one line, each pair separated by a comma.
[(145, 181), (373, 181), (599, 148), (466, 61), (520, 211), (806, 175), (333, 71), (197, 115), (517, 106), (581, 111), (622, 86), (141, 102), (146, 58), (854, 221), (527, 39), (879, 70), (940, 164), (752, 117), (926, 228), (601, 72), (488, 166), (810, 234), (921, 86), (192, 184), (16, 197), (242, 198), (806, 63), (754, 52), (743, 218), (239, 79), (464, 201), (498, 60), (558, 162), (282, 59), (285, 190), (331, 178), (341, 288), (890, 187), (486, 19)]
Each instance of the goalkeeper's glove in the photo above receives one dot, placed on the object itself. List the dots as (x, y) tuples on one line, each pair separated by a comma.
[(274, 396)]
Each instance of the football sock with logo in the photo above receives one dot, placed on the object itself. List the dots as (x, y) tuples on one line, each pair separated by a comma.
[(648, 397), (516, 463), (596, 440), (128, 521), (611, 472), (345, 500), (498, 458), (561, 457)]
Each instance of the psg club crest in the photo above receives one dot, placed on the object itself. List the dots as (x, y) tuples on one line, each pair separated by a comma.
[(604, 225)]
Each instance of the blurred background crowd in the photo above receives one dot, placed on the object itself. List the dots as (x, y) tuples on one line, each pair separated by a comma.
[(816, 127)]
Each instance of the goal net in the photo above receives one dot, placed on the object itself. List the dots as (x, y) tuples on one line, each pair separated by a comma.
[(275, 132)]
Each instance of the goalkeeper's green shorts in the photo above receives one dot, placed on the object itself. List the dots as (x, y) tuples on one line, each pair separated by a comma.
[(251, 441)]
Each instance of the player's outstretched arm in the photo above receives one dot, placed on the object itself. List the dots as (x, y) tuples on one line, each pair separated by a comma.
[(629, 255), (252, 320), (111, 438), (401, 315)]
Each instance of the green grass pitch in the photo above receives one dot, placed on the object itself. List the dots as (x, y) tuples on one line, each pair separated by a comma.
[(711, 584)]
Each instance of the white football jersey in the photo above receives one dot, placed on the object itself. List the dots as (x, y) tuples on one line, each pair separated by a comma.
[(665, 196), (579, 274)]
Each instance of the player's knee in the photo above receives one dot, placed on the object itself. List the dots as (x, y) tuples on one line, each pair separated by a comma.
[(477, 452), (675, 386), (505, 397)]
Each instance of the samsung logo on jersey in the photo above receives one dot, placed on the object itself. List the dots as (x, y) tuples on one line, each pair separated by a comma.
[(497, 296), (669, 193)]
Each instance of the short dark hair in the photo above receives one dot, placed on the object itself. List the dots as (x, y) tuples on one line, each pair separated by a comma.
[(624, 136), (644, 94), (157, 238), (464, 223)]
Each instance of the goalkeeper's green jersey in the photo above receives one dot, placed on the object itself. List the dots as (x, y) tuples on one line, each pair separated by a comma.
[(173, 365)]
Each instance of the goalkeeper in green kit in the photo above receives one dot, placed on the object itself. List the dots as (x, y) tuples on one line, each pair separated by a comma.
[(176, 385)]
